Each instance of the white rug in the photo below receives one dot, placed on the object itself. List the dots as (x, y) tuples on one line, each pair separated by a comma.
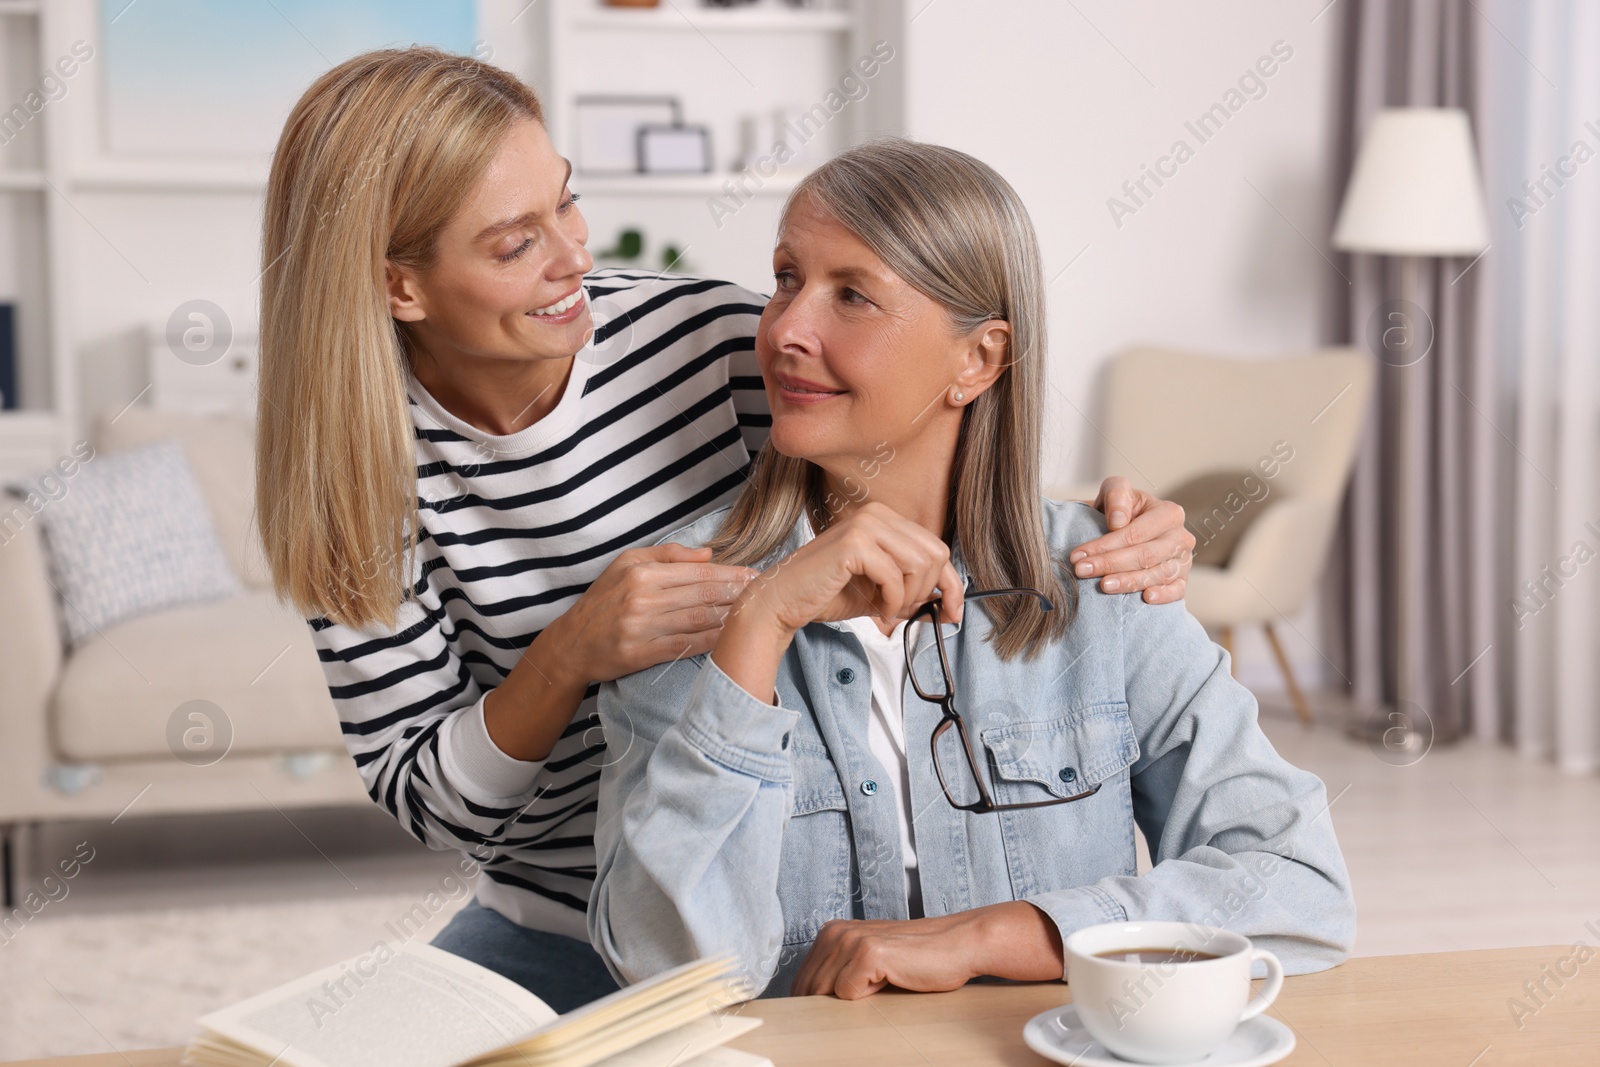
[(115, 982)]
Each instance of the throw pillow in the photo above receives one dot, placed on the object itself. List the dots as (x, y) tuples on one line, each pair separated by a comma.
[(1218, 507), (131, 535)]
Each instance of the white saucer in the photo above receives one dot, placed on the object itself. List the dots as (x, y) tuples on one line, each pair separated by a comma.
[(1058, 1035)]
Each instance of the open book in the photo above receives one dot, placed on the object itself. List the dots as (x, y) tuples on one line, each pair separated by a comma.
[(420, 1006)]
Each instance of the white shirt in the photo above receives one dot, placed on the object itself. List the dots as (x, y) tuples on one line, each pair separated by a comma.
[(886, 735)]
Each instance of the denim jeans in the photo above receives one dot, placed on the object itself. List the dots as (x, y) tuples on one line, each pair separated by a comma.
[(561, 971)]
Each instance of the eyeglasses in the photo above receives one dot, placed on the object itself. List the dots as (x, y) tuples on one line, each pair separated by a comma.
[(943, 694)]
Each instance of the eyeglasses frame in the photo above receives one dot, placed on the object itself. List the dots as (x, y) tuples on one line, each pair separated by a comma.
[(950, 717)]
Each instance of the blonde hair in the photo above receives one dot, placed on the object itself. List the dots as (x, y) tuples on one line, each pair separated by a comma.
[(371, 165), (957, 232)]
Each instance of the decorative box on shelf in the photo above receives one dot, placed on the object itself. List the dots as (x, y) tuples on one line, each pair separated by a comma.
[(213, 375), (30, 443)]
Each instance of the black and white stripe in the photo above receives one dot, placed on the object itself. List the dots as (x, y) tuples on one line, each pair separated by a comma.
[(645, 439)]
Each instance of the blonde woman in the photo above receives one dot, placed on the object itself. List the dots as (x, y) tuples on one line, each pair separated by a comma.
[(460, 481), (843, 803)]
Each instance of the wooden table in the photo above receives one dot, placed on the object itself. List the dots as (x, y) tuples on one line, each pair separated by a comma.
[(1449, 1009)]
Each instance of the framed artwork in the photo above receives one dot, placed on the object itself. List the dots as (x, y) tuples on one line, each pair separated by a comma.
[(203, 78), (607, 130), (674, 150)]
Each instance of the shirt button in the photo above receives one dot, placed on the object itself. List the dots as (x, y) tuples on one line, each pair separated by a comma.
[(869, 787), (845, 676), (785, 742), (1068, 774)]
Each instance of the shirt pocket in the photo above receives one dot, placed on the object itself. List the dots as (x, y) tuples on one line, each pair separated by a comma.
[(816, 782), (814, 871), (1060, 757), (1064, 845)]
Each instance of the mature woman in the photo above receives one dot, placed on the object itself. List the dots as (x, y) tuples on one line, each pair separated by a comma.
[(780, 800), (459, 480)]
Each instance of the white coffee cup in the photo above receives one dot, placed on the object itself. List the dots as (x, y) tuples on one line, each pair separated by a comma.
[(1165, 1012)]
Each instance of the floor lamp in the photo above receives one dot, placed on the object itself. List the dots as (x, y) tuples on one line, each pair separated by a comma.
[(1414, 192)]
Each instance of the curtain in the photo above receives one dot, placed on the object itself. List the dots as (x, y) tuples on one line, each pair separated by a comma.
[(1502, 619), (1541, 113)]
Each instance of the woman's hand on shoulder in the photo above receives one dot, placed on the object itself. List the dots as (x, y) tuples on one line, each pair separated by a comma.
[(1147, 547)]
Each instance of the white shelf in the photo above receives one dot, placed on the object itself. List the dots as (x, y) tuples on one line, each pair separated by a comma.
[(172, 176), (140, 177), (31, 441), (12, 181), (678, 184), (19, 421), (680, 15), (25, 428)]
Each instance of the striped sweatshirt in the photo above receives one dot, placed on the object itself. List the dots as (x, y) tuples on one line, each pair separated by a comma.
[(658, 423)]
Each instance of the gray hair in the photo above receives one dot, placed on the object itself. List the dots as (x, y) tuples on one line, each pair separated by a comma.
[(953, 229)]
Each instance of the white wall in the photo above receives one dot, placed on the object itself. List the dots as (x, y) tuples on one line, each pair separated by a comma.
[(1052, 98), (136, 257), (1068, 101)]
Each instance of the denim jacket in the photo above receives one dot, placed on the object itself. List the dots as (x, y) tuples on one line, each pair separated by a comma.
[(730, 825)]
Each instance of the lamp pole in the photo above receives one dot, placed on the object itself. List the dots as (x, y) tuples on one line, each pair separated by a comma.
[(1414, 191), (1410, 447)]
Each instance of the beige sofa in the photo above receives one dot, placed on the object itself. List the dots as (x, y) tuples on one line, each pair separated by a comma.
[(98, 732)]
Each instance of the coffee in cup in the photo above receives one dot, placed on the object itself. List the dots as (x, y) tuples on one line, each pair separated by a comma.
[(1165, 992)]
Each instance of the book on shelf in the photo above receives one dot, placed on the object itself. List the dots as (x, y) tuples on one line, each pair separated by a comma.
[(419, 1006), (8, 357)]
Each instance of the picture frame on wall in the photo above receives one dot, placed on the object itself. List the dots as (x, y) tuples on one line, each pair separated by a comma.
[(607, 130), (674, 150), (173, 84)]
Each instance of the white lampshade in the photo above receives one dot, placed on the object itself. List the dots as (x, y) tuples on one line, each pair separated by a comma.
[(1415, 188)]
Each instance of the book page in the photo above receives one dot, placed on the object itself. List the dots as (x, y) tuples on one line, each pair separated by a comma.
[(416, 1007), (650, 1007), (680, 1046), (726, 1057), (685, 1045)]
